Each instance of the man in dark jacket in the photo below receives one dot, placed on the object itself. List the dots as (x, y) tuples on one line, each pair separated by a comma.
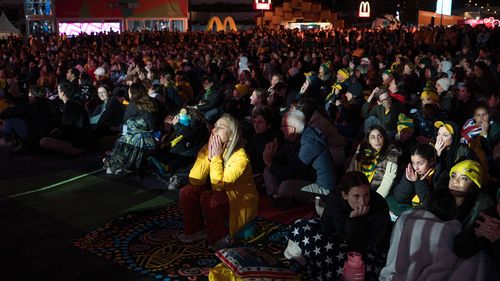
[(74, 134), (307, 168)]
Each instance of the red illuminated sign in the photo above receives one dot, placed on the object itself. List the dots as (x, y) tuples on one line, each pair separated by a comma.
[(262, 4)]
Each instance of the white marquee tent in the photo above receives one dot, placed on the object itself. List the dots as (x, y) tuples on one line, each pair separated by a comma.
[(6, 28)]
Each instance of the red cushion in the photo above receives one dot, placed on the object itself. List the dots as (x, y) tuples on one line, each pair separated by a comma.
[(301, 211)]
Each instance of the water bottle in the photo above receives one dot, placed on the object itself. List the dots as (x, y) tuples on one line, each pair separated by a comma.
[(354, 267)]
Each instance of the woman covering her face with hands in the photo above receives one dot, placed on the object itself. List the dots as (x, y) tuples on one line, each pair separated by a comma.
[(221, 197), (418, 182), (482, 135), (362, 207), (449, 150)]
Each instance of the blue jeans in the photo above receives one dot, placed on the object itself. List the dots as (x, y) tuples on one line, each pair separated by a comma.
[(15, 126)]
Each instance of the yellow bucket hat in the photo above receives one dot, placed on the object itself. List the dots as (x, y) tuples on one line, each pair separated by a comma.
[(448, 127), (469, 168)]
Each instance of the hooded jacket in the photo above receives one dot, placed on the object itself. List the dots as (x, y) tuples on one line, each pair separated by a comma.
[(451, 155), (314, 151), (446, 68)]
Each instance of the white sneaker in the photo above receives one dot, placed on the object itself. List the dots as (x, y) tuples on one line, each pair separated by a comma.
[(294, 252), (200, 235), (174, 182)]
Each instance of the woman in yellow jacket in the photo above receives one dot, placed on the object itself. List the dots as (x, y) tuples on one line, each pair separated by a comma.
[(221, 187)]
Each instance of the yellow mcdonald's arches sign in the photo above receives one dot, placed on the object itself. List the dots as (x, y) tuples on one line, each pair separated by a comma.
[(364, 9), (221, 26)]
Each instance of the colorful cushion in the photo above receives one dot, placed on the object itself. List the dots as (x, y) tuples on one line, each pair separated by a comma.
[(248, 262)]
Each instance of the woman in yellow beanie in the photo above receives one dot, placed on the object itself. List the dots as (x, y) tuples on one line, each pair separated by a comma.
[(465, 184)]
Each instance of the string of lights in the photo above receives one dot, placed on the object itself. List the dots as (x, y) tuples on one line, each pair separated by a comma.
[(483, 9)]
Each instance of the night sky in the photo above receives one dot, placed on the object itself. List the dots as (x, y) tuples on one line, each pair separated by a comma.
[(346, 8), (342, 5)]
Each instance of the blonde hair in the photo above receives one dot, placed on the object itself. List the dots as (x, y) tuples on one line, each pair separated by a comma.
[(234, 136)]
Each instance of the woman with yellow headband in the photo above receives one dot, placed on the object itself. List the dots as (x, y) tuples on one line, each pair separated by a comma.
[(465, 184), (422, 239), (338, 88)]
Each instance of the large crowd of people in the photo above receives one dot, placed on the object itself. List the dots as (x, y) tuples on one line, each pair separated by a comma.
[(367, 125)]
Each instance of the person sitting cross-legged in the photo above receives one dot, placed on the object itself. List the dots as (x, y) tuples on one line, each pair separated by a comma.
[(137, 140)]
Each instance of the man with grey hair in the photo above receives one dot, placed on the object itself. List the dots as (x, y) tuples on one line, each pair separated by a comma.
[(302, 167)]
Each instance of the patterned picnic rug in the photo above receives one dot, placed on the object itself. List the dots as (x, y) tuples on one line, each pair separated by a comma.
[(147, 242)]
